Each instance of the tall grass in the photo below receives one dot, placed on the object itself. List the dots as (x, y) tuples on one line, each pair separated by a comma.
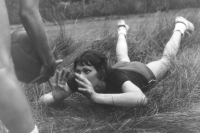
[(170, 101), (98, 8)]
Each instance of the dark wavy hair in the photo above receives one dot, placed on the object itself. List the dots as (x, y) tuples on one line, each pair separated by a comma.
[(96, 59)]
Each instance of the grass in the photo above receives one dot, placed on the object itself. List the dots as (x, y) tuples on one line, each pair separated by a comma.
[(170, 101)]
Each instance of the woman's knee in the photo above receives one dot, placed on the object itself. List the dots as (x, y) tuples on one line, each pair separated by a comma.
[(159, 68), (123, 58)]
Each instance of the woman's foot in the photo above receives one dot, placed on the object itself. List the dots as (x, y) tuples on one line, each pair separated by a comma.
[(183, 25), (122, 28)]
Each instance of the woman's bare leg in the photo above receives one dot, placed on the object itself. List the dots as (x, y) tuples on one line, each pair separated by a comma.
[(160, 67), (122, 48)]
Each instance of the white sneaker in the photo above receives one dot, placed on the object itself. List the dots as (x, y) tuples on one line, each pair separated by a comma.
[(122, 27), (188, 24)]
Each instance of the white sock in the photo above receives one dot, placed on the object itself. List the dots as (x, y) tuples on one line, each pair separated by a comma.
[(122, 30), (180, 27), (35, 130)]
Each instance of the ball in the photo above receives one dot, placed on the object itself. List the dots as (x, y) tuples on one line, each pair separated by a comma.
[(26, 61)]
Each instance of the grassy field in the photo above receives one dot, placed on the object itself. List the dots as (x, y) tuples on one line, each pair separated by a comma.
[(173, 105)]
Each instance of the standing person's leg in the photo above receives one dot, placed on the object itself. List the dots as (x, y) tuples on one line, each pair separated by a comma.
[(122, 48), (15, 112), (160, 67)]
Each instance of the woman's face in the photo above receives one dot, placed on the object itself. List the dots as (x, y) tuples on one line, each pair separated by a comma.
[(90, 73)]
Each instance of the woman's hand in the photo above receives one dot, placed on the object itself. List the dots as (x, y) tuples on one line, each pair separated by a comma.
[(85, 87), (61, 80), (60, 89)]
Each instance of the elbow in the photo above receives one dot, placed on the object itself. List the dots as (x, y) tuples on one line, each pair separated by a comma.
[(23, 14), (143, 100), (26, 12), (140, 100), (54, 97)]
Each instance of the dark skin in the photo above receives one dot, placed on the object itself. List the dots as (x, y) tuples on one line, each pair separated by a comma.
[(33, 24)]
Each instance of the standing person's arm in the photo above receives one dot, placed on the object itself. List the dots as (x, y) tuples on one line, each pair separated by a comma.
[(15, 112), (32, 22)]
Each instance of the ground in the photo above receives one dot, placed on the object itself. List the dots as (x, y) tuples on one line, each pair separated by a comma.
[(78, 115)]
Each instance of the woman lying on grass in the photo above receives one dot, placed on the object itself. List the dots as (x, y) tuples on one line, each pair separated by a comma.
[(123, 84)]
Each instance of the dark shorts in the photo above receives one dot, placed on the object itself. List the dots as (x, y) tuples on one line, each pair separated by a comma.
[(137, 67)]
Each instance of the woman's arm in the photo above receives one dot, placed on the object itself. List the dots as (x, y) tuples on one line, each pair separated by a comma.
[(58, 94), (131, 97)]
